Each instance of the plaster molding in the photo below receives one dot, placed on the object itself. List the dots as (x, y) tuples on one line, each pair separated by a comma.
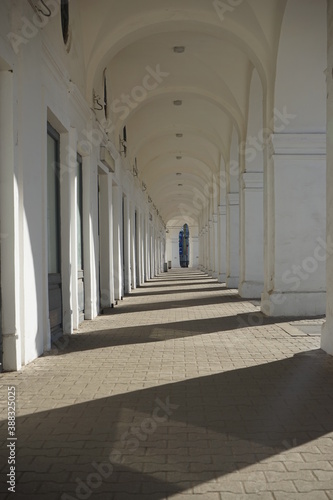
[(79, 101), (55, 66), (233, 198), (222, 210), (253, 180), (298, 144)]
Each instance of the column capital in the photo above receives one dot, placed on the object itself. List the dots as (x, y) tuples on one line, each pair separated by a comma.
[(233, 198), (253, 180), (222, 209), (298, 144)]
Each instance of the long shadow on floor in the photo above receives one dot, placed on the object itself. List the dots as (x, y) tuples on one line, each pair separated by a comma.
[(191, 289), (169, 438), (161, 332), (174, 304), (177, 283)]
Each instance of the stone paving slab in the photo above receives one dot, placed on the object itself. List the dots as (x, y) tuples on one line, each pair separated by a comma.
[(184, 390)]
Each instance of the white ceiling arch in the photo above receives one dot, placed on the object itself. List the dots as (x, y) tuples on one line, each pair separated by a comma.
[(170, 94), (170, 132), (130, 21), (211, 78)]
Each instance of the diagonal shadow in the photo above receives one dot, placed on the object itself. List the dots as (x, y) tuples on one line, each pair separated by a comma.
[(137, 292), (174, 304), (178, 282), (160, 332), (217, 424)]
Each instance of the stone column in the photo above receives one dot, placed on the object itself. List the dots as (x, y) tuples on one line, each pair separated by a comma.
[(232, 280), (206, 249), (147, 246), (211, 258), (216, 246), (295, 227), (9, 203), (222, 244), (327, 332), (117, 235), (127, 245), (106, 242), (133, 247), (252, 229)]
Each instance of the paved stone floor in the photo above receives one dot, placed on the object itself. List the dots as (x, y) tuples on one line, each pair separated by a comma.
[(182, 391)]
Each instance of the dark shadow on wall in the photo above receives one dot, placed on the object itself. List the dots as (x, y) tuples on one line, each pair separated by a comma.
[(213, 425)]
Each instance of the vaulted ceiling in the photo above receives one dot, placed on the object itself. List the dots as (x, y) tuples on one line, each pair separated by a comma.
[(179, 147)]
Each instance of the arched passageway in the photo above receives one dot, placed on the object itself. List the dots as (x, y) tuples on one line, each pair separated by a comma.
[(121, 123), (206, 114)]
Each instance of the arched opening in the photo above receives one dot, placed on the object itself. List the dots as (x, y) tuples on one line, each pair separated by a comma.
[(184, 246)]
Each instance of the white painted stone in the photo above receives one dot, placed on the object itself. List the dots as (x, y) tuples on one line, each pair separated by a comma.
[(222, 227), (327, 329), (252, 258), (232, 279), (297, 267)]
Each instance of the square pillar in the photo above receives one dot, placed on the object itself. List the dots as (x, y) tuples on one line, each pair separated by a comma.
[(327, 331), (210, 248), (117, 236), (251, 270), (222, 244), (232, 280), (106, 242), (10, 251), (133, 247), (216, 246), (295, 226), (127, 246)]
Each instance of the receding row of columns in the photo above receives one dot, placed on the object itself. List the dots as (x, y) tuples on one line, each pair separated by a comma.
[(268, 240), (264, 230), (132, 247)]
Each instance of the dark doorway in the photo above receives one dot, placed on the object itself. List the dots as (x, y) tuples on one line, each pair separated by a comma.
[(53, 231)]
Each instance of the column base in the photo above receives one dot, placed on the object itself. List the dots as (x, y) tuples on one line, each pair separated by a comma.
[(293, 303), (251, 289), (326, 342), (11, 353), (214, 275), (221, 278), (232, 282)]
